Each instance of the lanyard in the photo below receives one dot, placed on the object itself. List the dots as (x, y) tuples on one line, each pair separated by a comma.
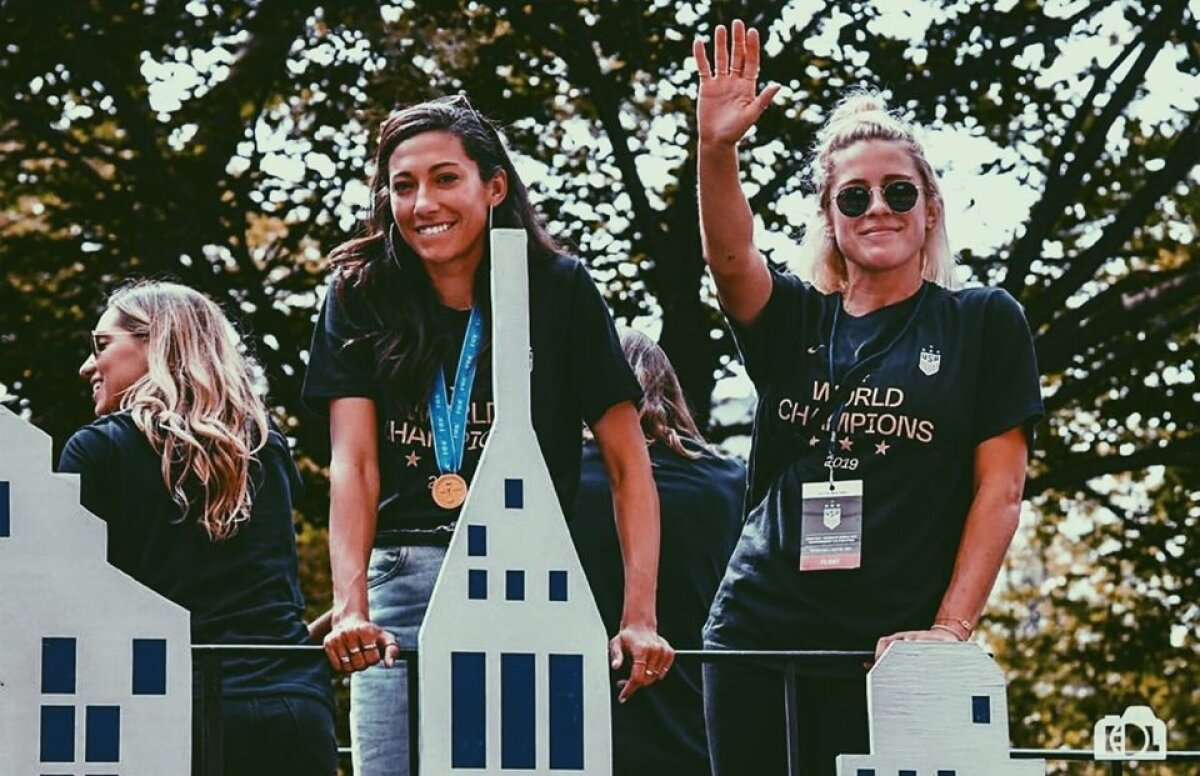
[(844, 396), (448, 419)]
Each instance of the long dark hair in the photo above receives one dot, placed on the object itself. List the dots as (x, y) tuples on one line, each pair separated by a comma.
[(380, 265), (664, 413)]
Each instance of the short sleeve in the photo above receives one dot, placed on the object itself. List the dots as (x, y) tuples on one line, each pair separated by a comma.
[(759, 342), (1009, 390), (93, 456), (601, 371), (340, 361)]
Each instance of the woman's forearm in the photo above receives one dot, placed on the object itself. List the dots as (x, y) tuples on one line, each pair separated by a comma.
[(726, 223), (991, 522), (635, 508), (353, 499)]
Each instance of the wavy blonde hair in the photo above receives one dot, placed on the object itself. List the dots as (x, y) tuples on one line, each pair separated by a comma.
[(197, 403), (863, 115), (664, 413)]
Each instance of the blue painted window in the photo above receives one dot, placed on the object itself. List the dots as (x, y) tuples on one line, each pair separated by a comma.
[(58, 666), (58, 734), (866, 772), (981, 710), (558, 585), (514, 585), (468, 709), (907, 773), (103, 739), (566, 712), (149, 667), (477, 584), (514, 494), (945, 773), (5, 511), (518, 706), (477, 541)]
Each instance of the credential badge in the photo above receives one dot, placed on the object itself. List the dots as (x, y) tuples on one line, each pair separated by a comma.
[(833, 515), (931, 360)]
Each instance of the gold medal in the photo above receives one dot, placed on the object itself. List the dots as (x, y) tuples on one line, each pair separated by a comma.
[(449, 491)]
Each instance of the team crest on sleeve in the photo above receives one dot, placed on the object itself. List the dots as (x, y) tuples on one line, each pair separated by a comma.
[(931, 360), (833, 515)]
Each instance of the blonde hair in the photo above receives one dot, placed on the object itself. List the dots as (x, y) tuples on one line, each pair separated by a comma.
[(863, 115), (196, 404), (664, 413)]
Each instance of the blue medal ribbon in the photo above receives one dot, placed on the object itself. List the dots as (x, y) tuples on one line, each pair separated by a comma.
[(448, 418)]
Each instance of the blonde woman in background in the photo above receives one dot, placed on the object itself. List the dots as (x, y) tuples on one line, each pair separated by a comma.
[(196, 486), (893, 422)]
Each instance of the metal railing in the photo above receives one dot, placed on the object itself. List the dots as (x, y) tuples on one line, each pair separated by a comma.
[(207, 658)]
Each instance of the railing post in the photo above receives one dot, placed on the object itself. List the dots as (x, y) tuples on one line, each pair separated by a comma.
[(792, 717), (211, 741), (1115, 768)]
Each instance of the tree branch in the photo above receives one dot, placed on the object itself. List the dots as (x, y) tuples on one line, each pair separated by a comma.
[(1183, 156), (1061, 184), (1136, 297), (1073, 471)]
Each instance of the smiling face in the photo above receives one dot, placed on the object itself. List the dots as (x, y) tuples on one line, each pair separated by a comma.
[(438, 200), (880, 241), (120, 361)]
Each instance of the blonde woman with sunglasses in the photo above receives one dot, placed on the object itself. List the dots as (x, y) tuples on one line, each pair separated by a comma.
[(196, 486), (894, 419), (402, 338)]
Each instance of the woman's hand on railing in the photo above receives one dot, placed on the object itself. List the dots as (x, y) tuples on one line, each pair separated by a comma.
[(930, 634), (650, 657), (355, 643)]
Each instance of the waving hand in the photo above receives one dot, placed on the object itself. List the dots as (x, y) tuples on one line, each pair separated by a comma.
[(729, 101)]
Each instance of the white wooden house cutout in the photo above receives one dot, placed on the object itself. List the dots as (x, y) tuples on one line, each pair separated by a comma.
[(512, 653), (96, 669), (937, 709)]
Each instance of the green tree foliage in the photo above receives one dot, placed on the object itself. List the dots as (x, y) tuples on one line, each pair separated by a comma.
[(227, 144)]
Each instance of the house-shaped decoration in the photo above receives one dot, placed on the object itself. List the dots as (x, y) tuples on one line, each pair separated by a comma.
[(513, 654), (96, 669), (937, 709)]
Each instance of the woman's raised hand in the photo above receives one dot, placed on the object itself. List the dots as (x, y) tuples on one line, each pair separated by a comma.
[(729, 102)]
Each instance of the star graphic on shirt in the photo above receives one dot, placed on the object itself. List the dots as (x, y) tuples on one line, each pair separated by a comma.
[(412, 459), (882, 448), (846, 443), (812, 442)]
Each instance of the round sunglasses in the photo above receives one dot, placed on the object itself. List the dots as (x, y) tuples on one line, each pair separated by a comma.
[(900, 196)]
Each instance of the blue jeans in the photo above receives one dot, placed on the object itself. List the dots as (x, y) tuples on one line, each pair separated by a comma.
[(399, 584)]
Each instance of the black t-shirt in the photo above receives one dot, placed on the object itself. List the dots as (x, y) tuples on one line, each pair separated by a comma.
[(961, 370), (700, 501), (242, 590), (579, 372)]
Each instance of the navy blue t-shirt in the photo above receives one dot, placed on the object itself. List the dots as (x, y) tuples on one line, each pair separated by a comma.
[(579, 372), (961, 370), (243, 590), (700, 502)]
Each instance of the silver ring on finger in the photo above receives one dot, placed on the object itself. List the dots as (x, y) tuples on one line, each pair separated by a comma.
[(344, 659)]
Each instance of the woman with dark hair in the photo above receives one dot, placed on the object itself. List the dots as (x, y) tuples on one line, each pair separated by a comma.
[(700, 497), (894, 418), (196, 486), (401, 362)]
